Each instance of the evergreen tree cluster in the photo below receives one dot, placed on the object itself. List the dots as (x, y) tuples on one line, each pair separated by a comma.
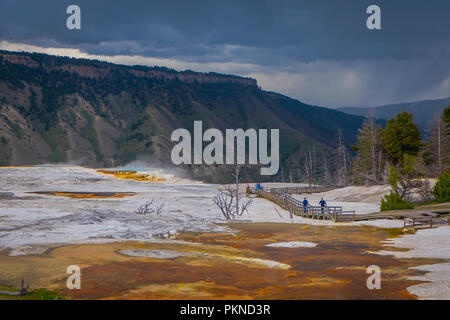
[(399, 156)]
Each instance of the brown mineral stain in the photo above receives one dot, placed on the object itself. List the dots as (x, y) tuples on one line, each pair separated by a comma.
[(227, 266)]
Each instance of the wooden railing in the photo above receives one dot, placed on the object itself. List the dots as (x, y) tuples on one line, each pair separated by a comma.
[(295, 207), (293, 190), (418, 222), (282, 197)]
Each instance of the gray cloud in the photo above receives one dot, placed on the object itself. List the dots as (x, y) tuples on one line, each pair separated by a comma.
[(317, 51)]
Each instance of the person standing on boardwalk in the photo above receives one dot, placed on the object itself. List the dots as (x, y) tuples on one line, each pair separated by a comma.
[(305, 205), (322, 204)]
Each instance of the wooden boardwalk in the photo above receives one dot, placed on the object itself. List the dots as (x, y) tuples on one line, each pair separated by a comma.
[(283, 198), (294, 190), (414, 219)]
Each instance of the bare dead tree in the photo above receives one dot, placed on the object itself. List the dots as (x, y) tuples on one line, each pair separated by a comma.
[(439, 145), (373, 143), (300, 174), (407, 180), (159, 209), (236, 181), (224, 200), (308, 171), (327, 179), (424, 191), (314, 167), (145, 207), (309, 167), (148, 208), (228, 200), (342, 161)]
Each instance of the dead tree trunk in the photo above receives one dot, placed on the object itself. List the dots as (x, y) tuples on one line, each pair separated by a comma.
[(309, 167), (236, 177), (342, 160)]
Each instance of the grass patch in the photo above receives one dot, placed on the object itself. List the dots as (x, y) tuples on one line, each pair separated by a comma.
[(38, 294)]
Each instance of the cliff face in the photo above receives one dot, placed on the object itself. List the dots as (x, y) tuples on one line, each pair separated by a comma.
[(105, 70), (63, 110)]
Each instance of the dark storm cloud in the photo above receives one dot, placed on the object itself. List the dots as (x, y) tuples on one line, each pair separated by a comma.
[(280, 36)]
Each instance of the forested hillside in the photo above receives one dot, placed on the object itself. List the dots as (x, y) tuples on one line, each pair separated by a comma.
[(64, 110)]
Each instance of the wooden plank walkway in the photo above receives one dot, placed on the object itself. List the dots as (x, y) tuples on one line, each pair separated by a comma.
[(282, 196), (295, 207), (294, 190)]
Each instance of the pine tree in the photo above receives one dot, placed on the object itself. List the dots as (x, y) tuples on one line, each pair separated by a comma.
[(369, 163), (446, 116), (401, 136)]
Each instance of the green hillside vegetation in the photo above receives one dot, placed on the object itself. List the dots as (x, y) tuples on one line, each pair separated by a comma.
[(58, 109)]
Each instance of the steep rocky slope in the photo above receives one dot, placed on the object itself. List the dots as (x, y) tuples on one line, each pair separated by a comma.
[(64, 110)]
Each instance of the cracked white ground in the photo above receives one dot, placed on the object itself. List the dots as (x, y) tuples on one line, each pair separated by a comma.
[(31, 223)]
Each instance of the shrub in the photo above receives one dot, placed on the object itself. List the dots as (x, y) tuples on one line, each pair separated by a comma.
[(442, 188), (393, 201)]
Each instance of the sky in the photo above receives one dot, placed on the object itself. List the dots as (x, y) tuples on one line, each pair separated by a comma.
[(319, 52)]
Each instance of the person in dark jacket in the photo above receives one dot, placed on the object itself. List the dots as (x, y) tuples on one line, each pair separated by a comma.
[(322, 204), (305, 205)]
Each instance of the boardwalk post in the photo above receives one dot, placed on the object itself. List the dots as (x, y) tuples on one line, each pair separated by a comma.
[(431, 222)]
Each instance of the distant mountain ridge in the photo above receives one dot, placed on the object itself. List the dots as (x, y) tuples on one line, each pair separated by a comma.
[(423, 111), (94, 113), (99, 69)]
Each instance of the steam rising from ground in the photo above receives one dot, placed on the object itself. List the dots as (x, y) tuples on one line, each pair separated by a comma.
[(30, 221)]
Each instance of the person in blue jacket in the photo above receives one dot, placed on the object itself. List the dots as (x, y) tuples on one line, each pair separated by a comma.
[(322, 203), (305, 205)]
